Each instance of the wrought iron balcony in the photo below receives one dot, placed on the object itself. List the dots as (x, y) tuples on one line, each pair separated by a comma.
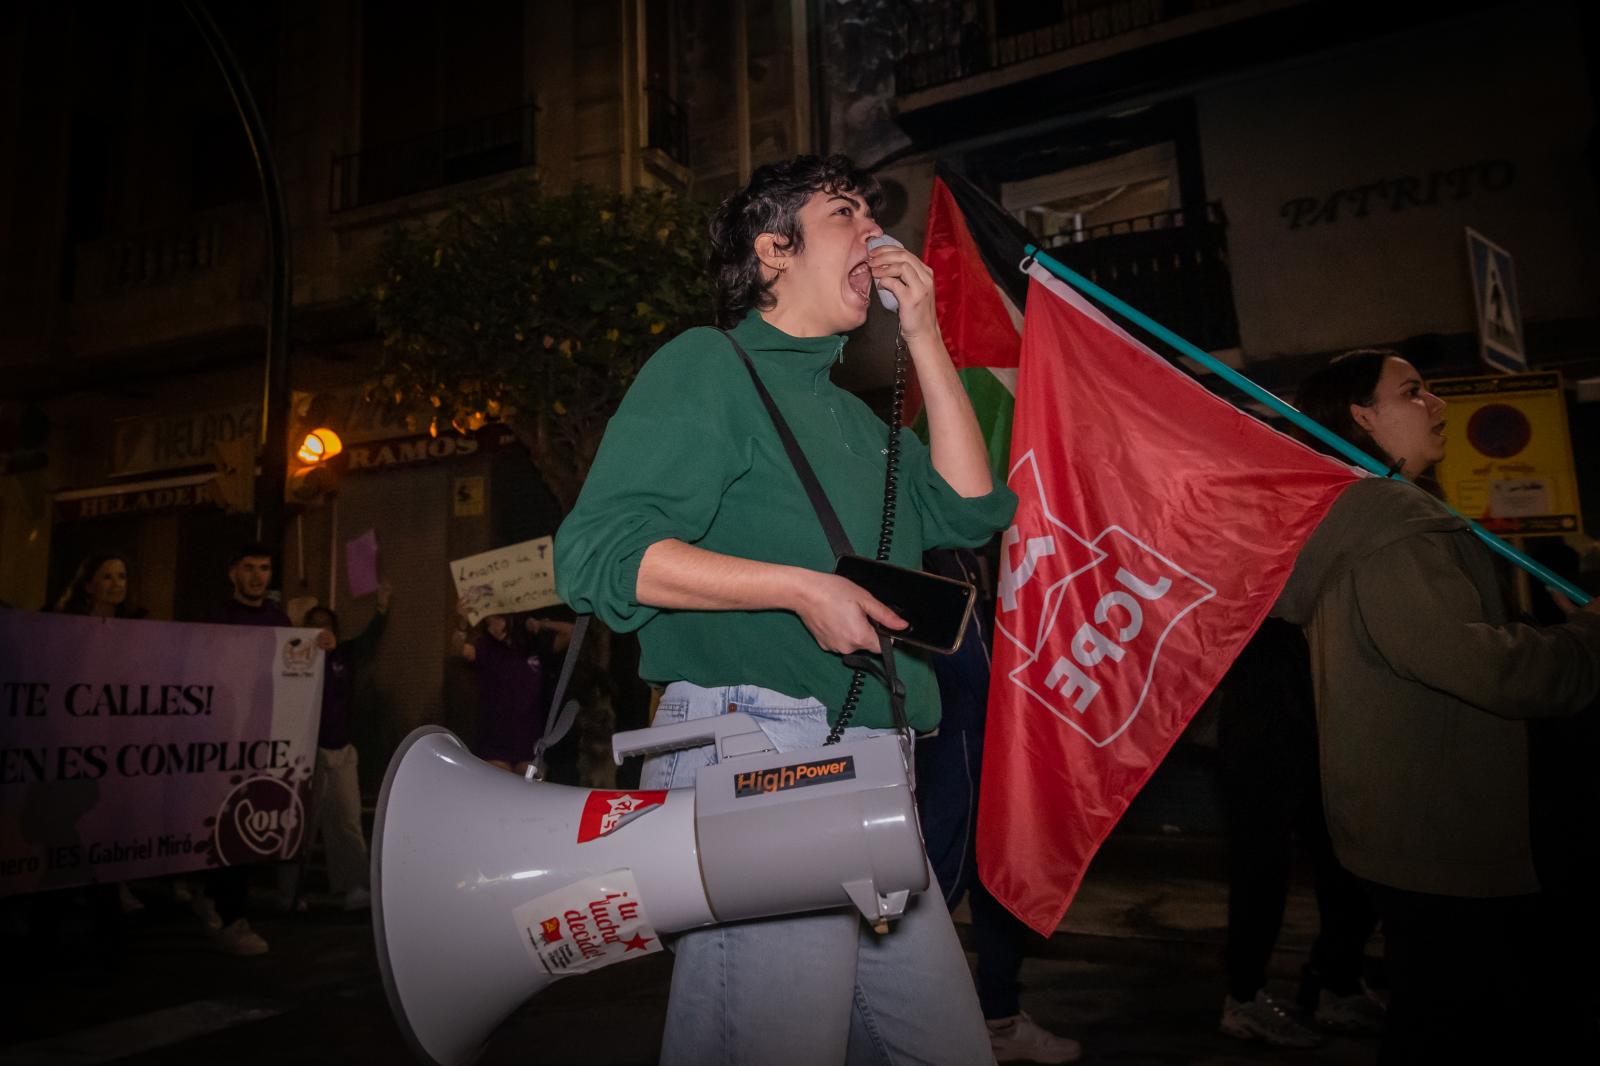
[(1172, 265), (947, 40), (489, 145)]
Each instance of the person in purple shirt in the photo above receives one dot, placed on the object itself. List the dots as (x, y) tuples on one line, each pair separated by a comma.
[(336, 789), (228, 887), (511, 711)]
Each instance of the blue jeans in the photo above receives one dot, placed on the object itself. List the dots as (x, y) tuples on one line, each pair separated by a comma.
[(817, 989)]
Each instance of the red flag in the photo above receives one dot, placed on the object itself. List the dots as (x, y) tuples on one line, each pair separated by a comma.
[(978, 290), (974, 318), (1156, 527)]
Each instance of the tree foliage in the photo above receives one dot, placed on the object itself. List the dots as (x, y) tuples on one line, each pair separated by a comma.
[(537, 309)]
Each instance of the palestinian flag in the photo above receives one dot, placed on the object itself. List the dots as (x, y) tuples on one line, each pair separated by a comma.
[(976, 251), (974, 248)]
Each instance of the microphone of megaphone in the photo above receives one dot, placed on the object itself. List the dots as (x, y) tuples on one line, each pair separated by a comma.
[(888, 299)]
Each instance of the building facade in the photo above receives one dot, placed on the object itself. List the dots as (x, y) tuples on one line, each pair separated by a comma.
[(1275, 180), (132, 297)]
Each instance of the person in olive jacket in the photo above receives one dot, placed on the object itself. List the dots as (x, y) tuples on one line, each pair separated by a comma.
[(1424, 686)]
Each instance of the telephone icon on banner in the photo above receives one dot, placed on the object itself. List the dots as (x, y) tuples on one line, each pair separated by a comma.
[(887, 297)]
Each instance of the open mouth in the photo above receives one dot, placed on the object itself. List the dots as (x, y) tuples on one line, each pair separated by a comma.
[(860, 279)]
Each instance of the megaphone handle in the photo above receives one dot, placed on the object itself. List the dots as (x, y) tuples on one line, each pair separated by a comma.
[(734, 735)]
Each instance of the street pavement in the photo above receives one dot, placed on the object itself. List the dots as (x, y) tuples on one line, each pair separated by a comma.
[(1134, 972)]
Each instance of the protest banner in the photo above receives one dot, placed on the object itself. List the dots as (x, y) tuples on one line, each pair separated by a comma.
[(133, 748), (507, 580)]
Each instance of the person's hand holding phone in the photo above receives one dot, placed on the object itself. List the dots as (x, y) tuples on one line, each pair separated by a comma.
[(841, 614)]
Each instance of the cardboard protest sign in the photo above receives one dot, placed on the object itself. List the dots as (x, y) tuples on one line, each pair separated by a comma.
[(521, 577)]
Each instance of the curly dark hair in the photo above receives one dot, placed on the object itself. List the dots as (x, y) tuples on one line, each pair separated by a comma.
[(771, 204), (1350, 378)]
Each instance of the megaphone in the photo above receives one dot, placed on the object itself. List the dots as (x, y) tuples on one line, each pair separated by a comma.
[(487, 887)]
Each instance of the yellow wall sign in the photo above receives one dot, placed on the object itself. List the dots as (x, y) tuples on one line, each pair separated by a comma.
[(466, 496), (1509, 456)]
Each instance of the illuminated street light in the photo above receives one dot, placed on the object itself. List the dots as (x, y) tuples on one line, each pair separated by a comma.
[(319, 446)]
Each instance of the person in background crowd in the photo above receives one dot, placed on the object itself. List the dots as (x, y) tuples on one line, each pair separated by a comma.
[(550, 637), (1424, 684), (250, 574), (1271, 800), (335, 788), (511, 683), (1565, 796), (99, 588), (949, 764)]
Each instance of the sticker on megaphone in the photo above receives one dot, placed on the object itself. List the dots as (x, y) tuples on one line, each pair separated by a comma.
[(888, 299), (587, 924)]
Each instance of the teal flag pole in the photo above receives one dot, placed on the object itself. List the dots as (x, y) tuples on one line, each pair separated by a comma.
[(1260, 395)]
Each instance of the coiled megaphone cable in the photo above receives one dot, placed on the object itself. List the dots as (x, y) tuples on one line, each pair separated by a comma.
[(891, 488)]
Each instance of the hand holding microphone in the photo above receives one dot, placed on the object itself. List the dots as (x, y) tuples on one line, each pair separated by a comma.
[(905, 285)]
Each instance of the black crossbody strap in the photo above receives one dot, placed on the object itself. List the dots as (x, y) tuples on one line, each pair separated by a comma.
[(831, 526), (837, 540), (560, 717)]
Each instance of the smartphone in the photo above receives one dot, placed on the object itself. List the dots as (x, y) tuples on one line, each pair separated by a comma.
[(936, 608)]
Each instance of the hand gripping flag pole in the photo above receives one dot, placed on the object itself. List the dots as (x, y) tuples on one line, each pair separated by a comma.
[(1311, 426)]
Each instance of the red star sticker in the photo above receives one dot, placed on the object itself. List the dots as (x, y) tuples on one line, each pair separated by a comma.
[(638, 942)]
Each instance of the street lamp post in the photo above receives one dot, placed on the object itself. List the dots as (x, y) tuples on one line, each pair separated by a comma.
[(275, 387)]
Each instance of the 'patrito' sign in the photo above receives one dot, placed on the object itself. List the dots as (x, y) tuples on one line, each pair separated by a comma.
[(507, 580), (131, 749)]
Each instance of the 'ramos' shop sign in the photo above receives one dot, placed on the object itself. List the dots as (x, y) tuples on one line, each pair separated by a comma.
[(422, 448)]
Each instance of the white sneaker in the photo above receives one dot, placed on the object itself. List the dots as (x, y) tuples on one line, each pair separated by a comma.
[(1021, 1039), (1262, 1019), (239, 939), (206, 911), (357, 899), (1357, 1014)]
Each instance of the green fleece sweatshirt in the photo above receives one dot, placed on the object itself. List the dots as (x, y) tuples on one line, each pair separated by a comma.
[(692, 455), (1423, 684)]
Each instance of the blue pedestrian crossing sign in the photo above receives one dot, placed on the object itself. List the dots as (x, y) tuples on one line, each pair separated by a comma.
[(1501, 342)]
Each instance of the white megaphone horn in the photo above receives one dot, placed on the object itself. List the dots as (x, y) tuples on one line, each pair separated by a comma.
[(487, 887)]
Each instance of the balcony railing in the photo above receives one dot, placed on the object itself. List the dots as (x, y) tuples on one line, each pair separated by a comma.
[(1172, 265), (947, 40), (489, 145), (667, 129)]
